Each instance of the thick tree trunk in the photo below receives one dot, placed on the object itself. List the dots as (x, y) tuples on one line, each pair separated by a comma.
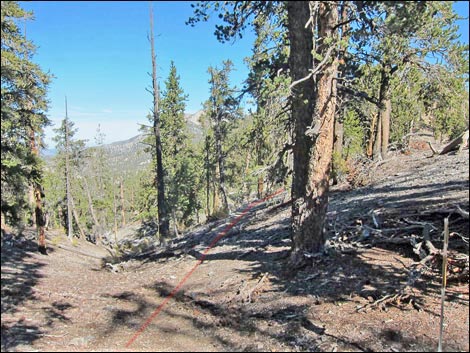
[(338, 145), (310, 188), (163, 219), (38, 195), (339, 134), (300, 62)]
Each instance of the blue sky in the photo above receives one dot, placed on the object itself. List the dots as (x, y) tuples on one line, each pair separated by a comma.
[(100, 56)]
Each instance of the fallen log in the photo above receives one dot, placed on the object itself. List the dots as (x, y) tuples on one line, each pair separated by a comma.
[(460, 141)]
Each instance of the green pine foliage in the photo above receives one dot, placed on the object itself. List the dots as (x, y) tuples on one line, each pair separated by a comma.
[(23, 106), (68, 147), (178, 156), (403, 53)]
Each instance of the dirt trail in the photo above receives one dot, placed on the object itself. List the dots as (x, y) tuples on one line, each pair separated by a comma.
[(241, 298)]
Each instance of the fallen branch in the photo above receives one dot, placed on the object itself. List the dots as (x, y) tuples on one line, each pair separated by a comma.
[(256, 286), (444, 280), (460, 141), (461, 212)]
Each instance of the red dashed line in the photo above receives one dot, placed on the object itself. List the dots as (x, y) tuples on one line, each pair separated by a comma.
[(212, 244)]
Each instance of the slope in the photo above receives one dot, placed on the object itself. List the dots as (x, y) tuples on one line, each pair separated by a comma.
[(242, 297)]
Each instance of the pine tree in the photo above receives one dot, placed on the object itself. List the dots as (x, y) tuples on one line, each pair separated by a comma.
[(176, 150), (23, 106), (221, 110), (395, 37), (69, 158), (163, 217)]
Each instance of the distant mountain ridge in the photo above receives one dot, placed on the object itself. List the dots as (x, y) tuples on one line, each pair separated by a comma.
[(129, 156)]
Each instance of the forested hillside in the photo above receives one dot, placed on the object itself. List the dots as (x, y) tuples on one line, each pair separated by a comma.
[(341, 163)]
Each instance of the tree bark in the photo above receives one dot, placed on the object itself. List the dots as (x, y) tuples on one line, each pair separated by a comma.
[(67, 176), (377, 153), (77, 220), (339, 134), (372, 134), (163, 219), (90, 203), (300, 62), (338, 145), (38, 195), (220, 161), (310, 188), (385, 112), (208, 178)]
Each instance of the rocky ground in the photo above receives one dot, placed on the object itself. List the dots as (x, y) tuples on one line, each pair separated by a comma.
[(367, 292)]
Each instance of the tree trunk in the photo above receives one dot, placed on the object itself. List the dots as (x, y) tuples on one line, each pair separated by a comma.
[(338, 145), (67, 176), (215, 196), (221, 163), (300, 62), (377, 153), (260, 187), (38, 195), (208, 178), (339, 134), (77, 220), (163, 219), (175, 223), (245, 187), (310, 188), (90, 203), (115, 215), (385, 120), (123, 210), (372, 134), (385, 111)]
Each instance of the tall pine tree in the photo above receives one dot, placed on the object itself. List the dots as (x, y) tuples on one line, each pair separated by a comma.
[(23, 107)]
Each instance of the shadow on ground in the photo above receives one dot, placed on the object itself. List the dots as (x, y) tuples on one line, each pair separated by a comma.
[(261, 239), (20, 273)]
